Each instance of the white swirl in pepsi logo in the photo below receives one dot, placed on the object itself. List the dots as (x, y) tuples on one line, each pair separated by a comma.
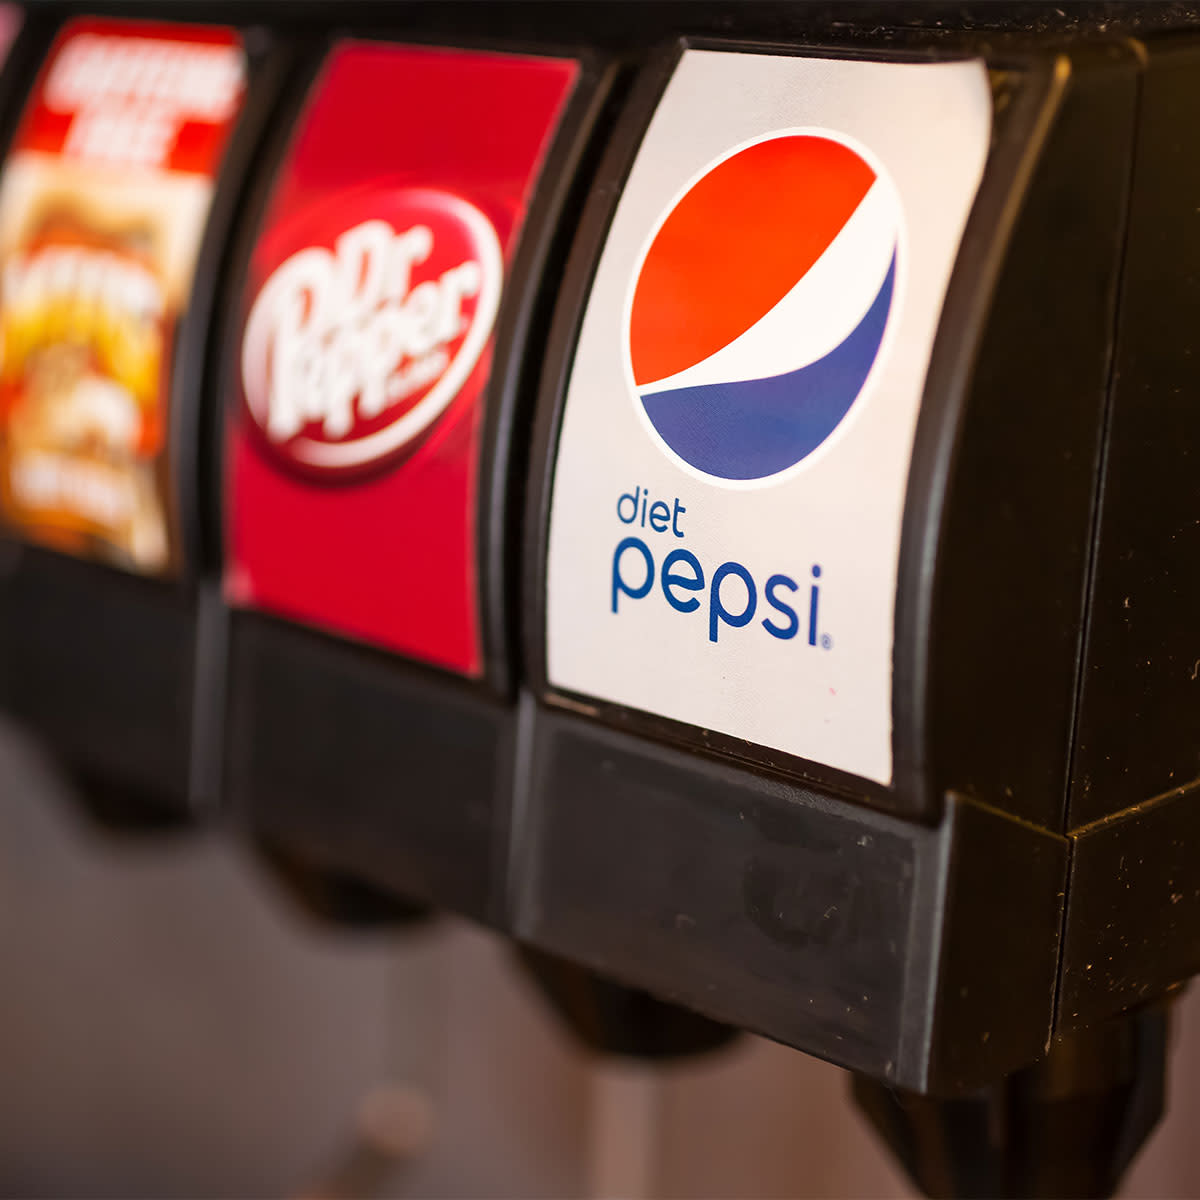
[(354, 349)]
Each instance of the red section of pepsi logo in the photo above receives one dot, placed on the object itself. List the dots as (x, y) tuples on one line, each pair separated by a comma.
[(760, 304), (138, 94), (736, 243), (353, 458)]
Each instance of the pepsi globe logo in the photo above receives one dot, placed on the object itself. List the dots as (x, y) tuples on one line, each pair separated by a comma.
[(373, 312), (760, 305)]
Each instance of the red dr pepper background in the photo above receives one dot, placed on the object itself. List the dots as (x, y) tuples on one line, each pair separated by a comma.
[(353, 456)]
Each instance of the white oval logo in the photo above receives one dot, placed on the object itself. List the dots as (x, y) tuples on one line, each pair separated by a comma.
[(357, 343)]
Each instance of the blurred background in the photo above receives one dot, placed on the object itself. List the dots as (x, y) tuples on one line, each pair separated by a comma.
[(172, 1025)]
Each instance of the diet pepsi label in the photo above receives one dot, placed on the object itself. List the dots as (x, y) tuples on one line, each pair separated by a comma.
[(731, 470)]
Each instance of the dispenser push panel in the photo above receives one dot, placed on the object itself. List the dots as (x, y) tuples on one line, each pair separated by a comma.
[(376, 428), (117, 198), (807, 561)]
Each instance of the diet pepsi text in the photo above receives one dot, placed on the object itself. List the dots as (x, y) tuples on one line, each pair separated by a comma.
[(678, 573)]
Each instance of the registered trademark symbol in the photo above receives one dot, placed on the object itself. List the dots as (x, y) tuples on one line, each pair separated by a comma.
[(826, 642)]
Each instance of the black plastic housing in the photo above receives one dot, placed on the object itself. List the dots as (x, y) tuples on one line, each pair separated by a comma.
[(1134, 904), (1030, 870)]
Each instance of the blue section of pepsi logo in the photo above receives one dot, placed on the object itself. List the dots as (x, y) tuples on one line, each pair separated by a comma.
[(754, 428)]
